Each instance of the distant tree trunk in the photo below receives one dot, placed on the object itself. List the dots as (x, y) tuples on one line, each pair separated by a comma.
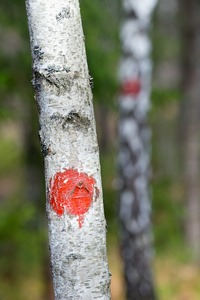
[(103, 111), (69, 145), (190, 116), (134, 154)]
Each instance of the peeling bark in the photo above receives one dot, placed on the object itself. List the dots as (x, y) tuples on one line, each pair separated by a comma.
[(61, 81), (134, 153)]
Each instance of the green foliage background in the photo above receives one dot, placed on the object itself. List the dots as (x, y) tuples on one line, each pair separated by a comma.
[(23, 233)]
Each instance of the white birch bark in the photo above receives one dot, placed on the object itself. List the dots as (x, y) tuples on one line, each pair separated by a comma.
[(134, 153), (77, 233)]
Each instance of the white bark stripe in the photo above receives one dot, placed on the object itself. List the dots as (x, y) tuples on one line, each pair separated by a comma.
[(68, 142)]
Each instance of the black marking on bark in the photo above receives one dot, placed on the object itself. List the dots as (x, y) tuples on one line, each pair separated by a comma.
[(36, 82), (106, 226), (45, 150), (67, 69), (38, 77), (56, 117), (39, 137), (55, 69), (39, 54), (52, 81), (76, 120), (71, 257), (38, 107), (72, 115), (64, 14), (55, 75), (91, 81), (73, 118)]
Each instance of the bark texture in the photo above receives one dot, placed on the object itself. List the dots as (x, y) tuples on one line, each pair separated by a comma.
[(190, 112), (61, 81), (134, 155)]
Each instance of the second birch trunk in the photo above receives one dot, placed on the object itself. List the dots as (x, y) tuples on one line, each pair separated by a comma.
[(134, 154)]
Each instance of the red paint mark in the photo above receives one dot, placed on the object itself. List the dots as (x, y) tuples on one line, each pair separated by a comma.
[(131, 87), (72, 192)]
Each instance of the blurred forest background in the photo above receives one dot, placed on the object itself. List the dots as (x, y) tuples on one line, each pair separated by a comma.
[(24, 263)]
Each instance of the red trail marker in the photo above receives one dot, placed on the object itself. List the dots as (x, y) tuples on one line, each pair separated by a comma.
[(71, 192), (131, 87)]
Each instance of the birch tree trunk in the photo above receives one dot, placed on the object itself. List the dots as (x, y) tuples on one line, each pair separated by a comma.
[(134, 154), (68, 140)]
